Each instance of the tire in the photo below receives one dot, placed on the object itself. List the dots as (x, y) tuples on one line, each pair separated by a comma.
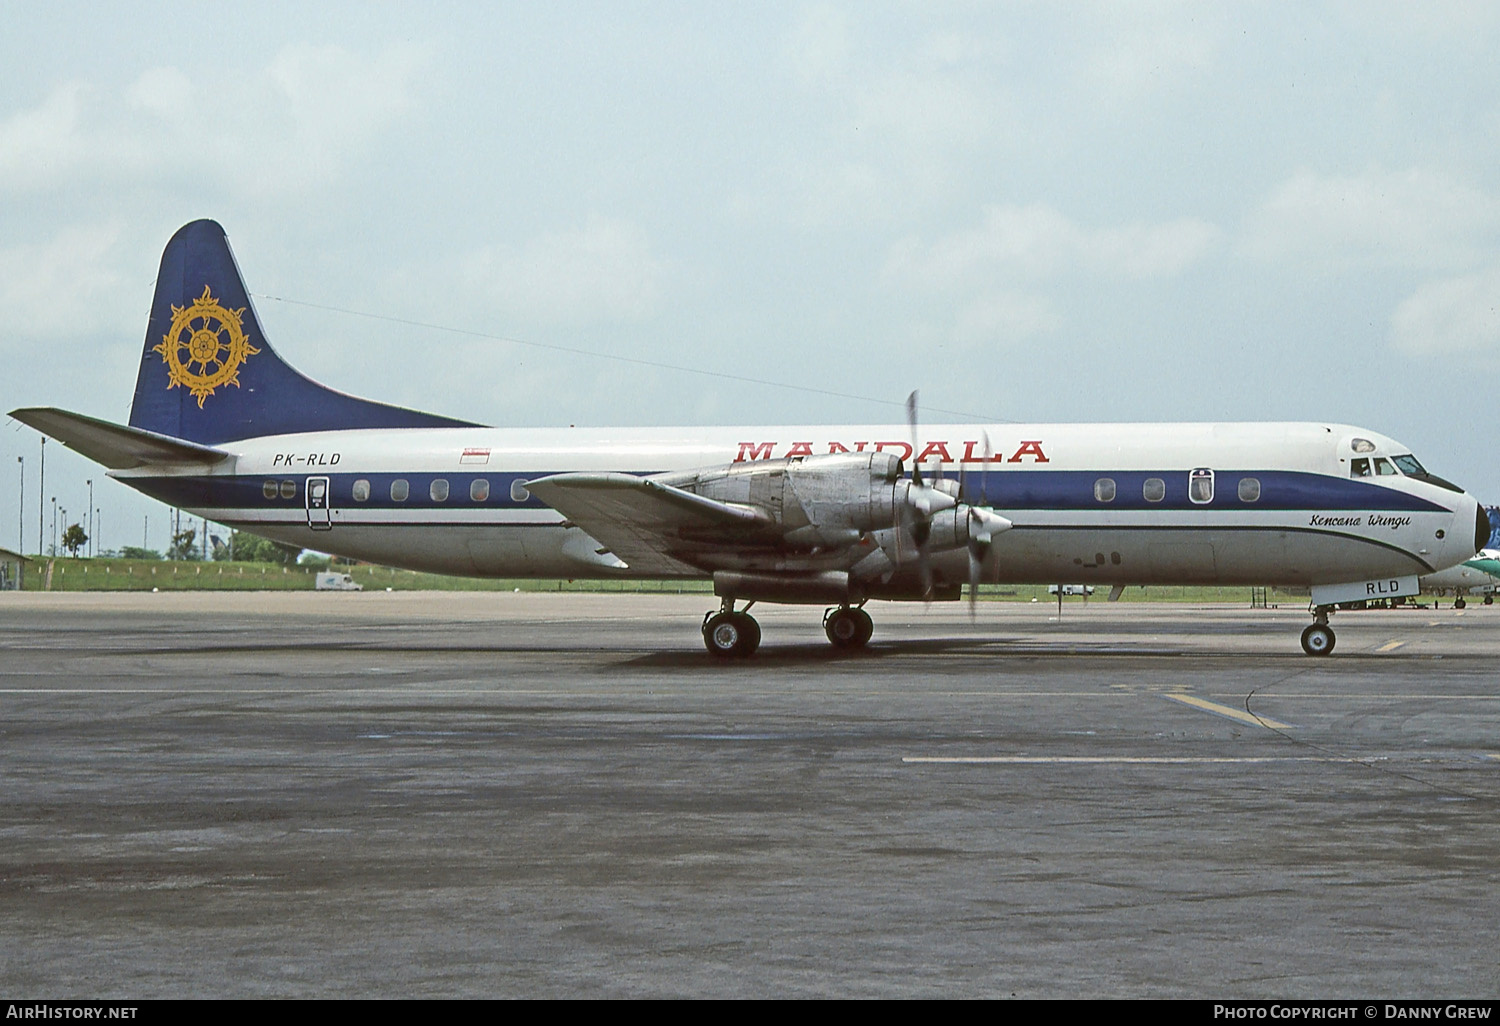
[(1489, 600), (723, 634), (731, 634), (866, 627), (1318, 640), (1459, 603), (749, 634), (847, 627)]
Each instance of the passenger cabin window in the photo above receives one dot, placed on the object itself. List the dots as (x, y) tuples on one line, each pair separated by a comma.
[(518, 492), (269, 489), (400, 490), (1359, 467), (1249, 490), (1153, 489), (479, 490), (361, 490), (289, 489), (1104, 489), (438, 490), (1383, 467), (1201, 486)]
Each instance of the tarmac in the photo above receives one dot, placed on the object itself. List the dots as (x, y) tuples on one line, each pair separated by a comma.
[(540, 795)]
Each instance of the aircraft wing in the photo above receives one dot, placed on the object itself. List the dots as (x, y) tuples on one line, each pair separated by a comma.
[(647, 524), (114, 445)]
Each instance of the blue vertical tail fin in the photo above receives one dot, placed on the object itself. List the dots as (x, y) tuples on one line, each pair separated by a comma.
[(209, 375)]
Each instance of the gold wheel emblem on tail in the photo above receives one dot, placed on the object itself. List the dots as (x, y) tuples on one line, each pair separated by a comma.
[(204, 347)]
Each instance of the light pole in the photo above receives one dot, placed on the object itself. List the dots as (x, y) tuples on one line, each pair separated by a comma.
[(21, 517), (64, 512), (90, 483), (41, 503), (99, 519), (54, 526)]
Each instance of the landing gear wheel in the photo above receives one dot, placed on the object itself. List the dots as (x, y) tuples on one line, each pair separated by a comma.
[(1459, 603), (749, 634), (1318, 639), (731, 634), (847, 627), (1489, 600)]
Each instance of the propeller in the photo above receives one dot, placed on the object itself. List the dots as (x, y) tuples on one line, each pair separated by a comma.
[(924, 500), (983, 524)]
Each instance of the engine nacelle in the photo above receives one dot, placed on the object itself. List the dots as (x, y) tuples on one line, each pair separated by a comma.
[(819, 501)]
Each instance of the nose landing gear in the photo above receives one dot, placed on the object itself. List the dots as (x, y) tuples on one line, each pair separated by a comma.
[(1318, 639)]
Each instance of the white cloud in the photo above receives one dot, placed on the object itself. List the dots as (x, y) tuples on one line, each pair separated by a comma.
[(604, 271), (1458, 315), (1037, 242), (1152, 52), (1414, 218), (877, 127), (64, 288), (1003, 317), (164, 92), (37, 145), (817, 47), (289, 125), (334, 102)]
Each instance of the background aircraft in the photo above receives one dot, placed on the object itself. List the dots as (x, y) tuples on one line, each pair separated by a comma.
[(1477, 576)]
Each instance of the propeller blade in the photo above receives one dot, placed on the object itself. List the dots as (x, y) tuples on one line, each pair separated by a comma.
[(984, 473), (911, 422)]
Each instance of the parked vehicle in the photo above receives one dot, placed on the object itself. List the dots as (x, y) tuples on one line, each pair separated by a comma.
[(337, 582)]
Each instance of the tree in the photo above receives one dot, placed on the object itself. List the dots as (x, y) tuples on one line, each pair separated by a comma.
[(136, 552), (182, 545), (254, 549), (74, 539)]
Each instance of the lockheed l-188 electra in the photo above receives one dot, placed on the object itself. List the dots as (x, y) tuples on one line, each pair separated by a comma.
[(223, 428)]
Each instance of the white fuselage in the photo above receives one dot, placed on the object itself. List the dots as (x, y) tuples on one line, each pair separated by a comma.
[(1095, 503)]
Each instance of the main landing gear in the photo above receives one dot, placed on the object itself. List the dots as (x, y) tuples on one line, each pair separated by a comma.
[(1318, 639), (729, 633)]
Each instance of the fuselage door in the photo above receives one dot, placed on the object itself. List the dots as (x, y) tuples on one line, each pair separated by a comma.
[(318, 517)]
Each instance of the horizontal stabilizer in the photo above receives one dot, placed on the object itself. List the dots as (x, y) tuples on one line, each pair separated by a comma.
[(114, 445)]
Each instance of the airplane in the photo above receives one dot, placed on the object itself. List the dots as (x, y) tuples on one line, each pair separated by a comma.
[(222, 427), (1477, 576)]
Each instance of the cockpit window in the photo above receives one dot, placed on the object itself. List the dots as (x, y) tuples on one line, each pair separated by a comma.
[(1408, 464), (1362, 445), (1383, 467), (1359, 467)]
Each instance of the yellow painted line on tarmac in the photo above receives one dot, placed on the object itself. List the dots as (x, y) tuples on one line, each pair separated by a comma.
[(1116, 760), (1224, 710), (1390, 646)]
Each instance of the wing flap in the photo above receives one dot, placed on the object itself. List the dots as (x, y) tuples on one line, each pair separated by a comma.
[(114, 445), (642, 521)]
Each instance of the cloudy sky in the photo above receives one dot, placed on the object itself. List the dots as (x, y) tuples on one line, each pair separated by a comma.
[(1029, 211)]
